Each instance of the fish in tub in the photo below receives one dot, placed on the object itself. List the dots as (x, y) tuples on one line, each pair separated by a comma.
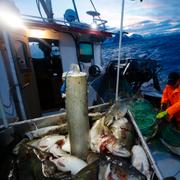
[(111, 138)]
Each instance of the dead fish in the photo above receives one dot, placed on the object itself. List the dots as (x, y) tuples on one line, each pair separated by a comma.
[(46, 131), (16, 149), (66, 146), (115, 168), (104, 171), (102, 140), (96, 115), (91, 157), (56, 151), (69, 163), (41, 155), (119, 173), (140, 161), (48, 141), (123, 131), (89, 172), (116, 111), (108, 143), (96, 132), (48, 168)]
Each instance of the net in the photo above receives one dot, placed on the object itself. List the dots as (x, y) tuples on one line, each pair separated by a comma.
[(170, 135), (144, 114)]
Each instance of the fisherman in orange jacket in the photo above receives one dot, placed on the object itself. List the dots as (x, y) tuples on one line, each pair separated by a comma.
[(170, 101)]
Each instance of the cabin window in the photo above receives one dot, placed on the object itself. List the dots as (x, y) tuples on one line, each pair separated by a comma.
[(86, 52), (46, 60), (36, 52), (21, 52)]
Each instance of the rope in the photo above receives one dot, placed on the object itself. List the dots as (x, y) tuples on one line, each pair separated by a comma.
[(39, 10), (94, 8)]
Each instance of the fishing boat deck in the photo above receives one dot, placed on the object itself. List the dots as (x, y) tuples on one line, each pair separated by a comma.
[(167, 163)]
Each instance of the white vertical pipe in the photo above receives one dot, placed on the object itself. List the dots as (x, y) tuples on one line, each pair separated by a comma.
[(120, 45), (14, 76), (77, 113)]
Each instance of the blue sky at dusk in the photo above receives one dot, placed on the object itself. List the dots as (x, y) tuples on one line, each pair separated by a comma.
[(147, 17)]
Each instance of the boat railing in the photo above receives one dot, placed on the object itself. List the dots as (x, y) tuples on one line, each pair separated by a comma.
[(37, 19)]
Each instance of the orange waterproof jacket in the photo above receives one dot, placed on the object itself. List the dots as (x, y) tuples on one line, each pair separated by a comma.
[(174, 109), (167, 94)]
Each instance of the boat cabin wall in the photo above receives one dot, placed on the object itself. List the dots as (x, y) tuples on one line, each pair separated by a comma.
[(6, 99), (68, 51), (34, 93), (97, 54), (66, 45), (22, 74)]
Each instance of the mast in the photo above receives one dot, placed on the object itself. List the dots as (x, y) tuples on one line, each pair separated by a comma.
[(120, 45), (74, 4), (47, 6)]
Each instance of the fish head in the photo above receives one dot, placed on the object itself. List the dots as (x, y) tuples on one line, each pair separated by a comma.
[(118, 150)]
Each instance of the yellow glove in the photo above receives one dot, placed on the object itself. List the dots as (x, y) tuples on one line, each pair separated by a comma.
[(161, 115)]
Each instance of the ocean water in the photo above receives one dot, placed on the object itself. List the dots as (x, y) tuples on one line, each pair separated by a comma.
[(163, 49)]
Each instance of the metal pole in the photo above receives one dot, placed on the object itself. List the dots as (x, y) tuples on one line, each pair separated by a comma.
[(120, 45), (14, 77), (74, 4), (50, 11), (77, 113)]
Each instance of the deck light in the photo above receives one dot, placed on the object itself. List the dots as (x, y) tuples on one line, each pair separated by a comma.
[(94, 25), (40, 33), (11, 19)]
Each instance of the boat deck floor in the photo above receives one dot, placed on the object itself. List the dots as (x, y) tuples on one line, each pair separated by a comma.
[(168, 163)]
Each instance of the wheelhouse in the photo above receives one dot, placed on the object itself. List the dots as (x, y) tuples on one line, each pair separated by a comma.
[(33, 59)]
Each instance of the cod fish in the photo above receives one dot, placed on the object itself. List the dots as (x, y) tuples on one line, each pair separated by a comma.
[(47, 142), (50, 171), (56, 151), (69, 163), (62, 129), (140, 161), (64, 161), (102, 140), (123, 131), (49, 148), (115, 168)]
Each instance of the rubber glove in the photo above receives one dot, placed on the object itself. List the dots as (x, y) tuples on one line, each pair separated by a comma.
[(161, 115), (163, 106)]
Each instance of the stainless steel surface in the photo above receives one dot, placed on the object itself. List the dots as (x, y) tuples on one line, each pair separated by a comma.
[(146, 148), (168, 163)]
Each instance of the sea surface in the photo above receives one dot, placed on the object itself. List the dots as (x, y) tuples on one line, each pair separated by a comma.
[(163, 49)]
